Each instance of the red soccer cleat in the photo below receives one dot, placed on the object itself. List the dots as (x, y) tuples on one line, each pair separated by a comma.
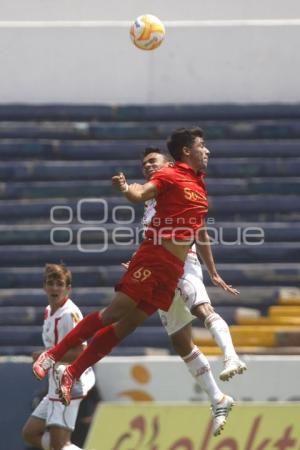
[(41, 365), (66, 383)]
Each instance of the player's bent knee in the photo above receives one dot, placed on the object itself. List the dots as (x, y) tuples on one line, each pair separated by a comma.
[(118, 309), (182, 346), (124, 328), (113, 314), (203, 310), (129, 323), (58, 443), (133, 320)]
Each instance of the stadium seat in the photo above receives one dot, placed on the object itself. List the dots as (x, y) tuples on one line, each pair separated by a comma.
[(26, 149), (284, 311), (245, 275), (69, 170), (274, 320), (289, 296), (92, 188)]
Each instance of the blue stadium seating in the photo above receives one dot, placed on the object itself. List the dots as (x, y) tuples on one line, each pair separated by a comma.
[(215, 129), (92, 170), (243, 274), (140, 113), (22, 256), (74, 150), (55, 155), (75, 189), (26, 234), (234, 207), (98, 297)]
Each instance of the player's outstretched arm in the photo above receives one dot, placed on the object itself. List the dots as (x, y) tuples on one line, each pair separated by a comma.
[(135, 192), (204, 251)]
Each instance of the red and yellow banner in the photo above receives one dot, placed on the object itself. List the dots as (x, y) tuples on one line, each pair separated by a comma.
[(152, 426)]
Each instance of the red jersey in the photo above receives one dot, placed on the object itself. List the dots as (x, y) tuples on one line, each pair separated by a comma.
[(181, 203)]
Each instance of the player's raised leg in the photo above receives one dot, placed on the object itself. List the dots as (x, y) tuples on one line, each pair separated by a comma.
[(220, 332), (221, 404), (85, 329), (100, 346), (178, 324), (198, 302)]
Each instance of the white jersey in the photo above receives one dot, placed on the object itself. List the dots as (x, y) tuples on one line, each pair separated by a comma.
[(149, 212), (55, 327)]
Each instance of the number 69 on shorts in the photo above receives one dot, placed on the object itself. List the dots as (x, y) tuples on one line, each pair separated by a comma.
[(142, 274)]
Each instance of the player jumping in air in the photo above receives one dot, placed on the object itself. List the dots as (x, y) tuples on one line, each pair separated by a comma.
[(191, 300), (154, 271)]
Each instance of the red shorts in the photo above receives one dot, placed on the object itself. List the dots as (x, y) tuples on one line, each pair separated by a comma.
[(152, 277)]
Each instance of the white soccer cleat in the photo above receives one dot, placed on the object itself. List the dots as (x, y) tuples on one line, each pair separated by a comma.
[(232, 366), (220, 413)]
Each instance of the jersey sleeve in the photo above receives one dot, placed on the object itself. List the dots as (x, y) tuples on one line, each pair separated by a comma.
[(66, 323), (162, 179)]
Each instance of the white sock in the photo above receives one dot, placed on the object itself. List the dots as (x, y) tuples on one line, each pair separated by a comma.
[(45, 440), (219, 330), (199, 367)]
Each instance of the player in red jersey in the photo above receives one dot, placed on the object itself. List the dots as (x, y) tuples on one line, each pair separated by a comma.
[(154, 271), (191, 300)]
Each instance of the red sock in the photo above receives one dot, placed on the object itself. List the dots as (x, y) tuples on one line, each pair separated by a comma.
[(101, 344), (85, 329)]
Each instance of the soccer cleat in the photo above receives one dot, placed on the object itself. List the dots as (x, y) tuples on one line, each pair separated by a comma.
[(41, 365), (232, 366), (58, 373), (220, 413), (66, 383)]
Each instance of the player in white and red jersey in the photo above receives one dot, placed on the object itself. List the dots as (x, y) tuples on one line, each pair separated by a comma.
[(190, 289), (51, 423), (190, 301), (154, 271)]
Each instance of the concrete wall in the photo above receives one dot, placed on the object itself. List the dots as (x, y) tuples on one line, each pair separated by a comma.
[(195, 65)]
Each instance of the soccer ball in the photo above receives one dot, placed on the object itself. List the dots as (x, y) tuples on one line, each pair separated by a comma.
[(147, 32)]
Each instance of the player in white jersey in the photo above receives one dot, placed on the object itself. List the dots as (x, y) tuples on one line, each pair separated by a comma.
[(191, 300), (51, 423)]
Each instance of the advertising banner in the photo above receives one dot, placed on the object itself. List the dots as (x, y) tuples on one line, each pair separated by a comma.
[(188, 427), (166, 378)]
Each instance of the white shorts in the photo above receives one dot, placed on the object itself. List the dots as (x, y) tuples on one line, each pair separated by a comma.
[(190, 293), (56, 414)]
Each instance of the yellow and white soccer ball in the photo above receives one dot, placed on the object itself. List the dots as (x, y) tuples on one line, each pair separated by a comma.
[(147, 32)]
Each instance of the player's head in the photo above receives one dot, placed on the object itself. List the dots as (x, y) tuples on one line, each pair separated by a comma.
[(57, 283), (187, 145), (153, 159)]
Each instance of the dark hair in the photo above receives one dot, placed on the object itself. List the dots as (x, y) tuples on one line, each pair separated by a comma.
[(149, 150), (58, 272), (182, 137)]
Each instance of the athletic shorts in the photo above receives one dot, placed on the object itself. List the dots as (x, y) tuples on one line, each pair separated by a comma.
[(56, 414), (152, 277), (190, 293)]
